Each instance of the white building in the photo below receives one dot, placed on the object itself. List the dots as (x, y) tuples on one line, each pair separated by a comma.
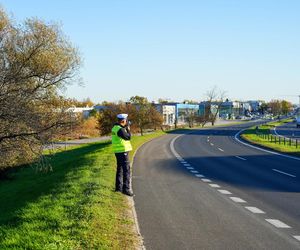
[(168, 112), (85, 112)]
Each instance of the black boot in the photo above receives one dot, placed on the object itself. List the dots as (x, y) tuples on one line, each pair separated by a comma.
[(128, 193)]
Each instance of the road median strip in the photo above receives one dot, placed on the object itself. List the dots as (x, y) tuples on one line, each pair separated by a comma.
[(261, 136)]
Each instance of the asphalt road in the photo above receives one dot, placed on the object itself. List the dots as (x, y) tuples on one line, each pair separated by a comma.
[(65, 144), (288, 130), (205, 190)]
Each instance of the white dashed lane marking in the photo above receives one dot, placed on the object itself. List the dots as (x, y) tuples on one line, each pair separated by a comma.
[(241, 158), (281, 172), (222, 191), (297, 237), (206, 180), (214, 185), (237, 199), (255, 210), (277, 223)]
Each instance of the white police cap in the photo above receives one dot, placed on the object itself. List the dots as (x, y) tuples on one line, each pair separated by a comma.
[(122, 116)]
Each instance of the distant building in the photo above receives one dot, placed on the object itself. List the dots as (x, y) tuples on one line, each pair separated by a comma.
[(185, 110), (169, 113), (233, 108), (84, 112), (255, 105), (177, 112), (227, 110), (204, 106)]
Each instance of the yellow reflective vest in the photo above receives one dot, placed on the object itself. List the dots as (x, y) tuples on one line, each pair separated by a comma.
[(119, 145)]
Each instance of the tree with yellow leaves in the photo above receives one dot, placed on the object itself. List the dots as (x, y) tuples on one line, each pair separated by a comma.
[(36, 63)]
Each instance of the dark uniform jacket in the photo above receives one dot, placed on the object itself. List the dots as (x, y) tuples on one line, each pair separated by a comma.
[(124, 133)]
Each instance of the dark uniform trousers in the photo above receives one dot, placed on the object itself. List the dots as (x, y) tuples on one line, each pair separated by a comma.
[(123, 172)]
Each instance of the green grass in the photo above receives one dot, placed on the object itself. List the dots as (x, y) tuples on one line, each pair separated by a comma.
[(72, 207), (260, 138)]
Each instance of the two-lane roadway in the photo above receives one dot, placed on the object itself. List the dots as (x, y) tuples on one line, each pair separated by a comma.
[(205, 190)]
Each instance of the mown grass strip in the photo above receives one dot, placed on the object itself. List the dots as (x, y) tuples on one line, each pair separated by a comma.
[(73, 207), (262, 137)]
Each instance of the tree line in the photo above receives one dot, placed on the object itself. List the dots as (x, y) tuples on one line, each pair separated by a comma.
[(36, 63), (279, 107), (142, 114)]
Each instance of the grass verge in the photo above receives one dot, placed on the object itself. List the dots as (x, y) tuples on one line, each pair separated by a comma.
[(261, 137), (73, 207)]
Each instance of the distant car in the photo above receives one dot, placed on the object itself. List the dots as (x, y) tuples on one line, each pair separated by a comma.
[(224, 116)]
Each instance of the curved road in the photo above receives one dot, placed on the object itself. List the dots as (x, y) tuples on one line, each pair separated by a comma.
[(205, 190), (288, 130)]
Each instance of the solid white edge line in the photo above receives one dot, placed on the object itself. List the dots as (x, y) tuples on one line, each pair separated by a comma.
[(276, 170), (237, 199), (277, 223), (261, 149), (132, 203), (282, 136), (172, 145), (255, 210), (274, 129)]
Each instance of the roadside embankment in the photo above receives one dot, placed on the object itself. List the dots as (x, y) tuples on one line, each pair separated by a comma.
[(72, 207)]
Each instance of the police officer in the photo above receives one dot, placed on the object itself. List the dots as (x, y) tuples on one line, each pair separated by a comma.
[(121, 146)]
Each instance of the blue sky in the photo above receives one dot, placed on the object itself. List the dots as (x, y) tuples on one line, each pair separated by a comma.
[(178, 49)]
